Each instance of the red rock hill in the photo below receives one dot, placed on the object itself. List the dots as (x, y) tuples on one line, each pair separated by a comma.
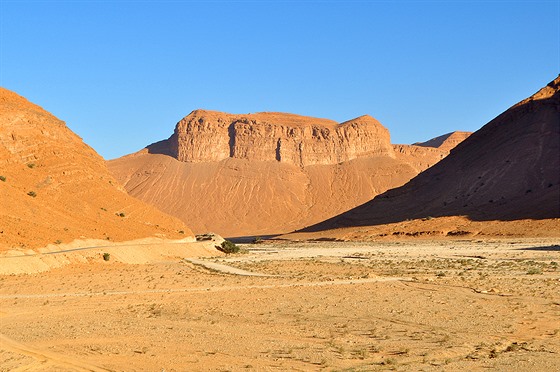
[(267, 173), (55, 188)]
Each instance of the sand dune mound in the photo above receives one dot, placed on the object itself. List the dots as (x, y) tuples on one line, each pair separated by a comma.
[(55, 188), (507, 170), (267, 173)]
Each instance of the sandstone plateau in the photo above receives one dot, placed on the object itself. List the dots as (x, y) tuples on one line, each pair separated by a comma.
[(509, 170), (267, 173), (54, 188)]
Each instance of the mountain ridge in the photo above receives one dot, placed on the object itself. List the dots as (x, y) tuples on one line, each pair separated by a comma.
[(256, 174), (507, 170)]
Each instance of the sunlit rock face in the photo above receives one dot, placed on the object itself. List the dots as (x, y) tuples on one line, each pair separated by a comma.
[(206, 136)]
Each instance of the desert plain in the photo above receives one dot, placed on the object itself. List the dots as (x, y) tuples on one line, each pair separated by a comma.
[(452, 265), (414, 304), (279, 186)]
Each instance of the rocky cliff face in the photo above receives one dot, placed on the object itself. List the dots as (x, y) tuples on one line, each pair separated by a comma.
[(267, 173), (207, 136)]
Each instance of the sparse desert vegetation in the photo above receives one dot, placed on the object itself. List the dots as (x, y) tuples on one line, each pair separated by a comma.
[(229, 247), (401, 305), (251, 186)]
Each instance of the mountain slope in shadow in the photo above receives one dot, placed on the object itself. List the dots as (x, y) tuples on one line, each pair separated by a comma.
[(507, 170)]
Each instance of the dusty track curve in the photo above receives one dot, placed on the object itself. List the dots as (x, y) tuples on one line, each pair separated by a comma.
[(207, 289), (45, 357), (224, 268)]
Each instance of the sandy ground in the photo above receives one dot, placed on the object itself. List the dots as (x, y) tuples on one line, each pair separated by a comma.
[(405, 305), (140, 251)]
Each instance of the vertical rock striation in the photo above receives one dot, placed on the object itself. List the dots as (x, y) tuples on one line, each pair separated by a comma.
[(267, 173), (208, 136)]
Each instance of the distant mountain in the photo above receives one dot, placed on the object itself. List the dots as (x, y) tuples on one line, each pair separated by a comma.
[(447, 141), (55, 188), (267, 173), (507, 170)]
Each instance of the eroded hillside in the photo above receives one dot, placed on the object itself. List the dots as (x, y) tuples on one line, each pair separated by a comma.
[(54, 188), (267, 173), (508, 170)]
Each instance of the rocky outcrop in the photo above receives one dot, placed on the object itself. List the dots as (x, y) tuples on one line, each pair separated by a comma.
[(418, 157), (267, 173), (207, 136), (422, 155)]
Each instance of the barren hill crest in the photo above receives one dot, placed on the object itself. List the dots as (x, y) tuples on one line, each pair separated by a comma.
[(209, 136)]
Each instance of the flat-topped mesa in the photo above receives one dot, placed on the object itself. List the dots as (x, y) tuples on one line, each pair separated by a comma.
[(206, 136)]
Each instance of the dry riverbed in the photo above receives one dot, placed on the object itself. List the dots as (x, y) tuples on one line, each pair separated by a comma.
[(408, 305)]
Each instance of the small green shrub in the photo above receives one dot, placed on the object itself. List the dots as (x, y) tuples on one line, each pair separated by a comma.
[(3, 178), (31, 165), (534, 271), (120, 214), (389, 361), (228, 247), (58, 241), (106, 256), (513, 347), (257, 240), (32, 194), (181, 232)]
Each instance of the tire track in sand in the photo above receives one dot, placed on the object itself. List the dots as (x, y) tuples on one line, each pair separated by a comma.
[(208, 289), (42, 356), (225, 268)]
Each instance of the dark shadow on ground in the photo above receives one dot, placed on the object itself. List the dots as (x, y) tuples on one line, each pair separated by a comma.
[(550, 248), (251, 238)]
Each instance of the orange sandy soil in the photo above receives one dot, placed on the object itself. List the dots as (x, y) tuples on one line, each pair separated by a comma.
[(471, 304), (452, 227), (55, 189)]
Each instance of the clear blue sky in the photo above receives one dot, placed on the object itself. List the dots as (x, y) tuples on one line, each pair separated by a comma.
[(122, 73)]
